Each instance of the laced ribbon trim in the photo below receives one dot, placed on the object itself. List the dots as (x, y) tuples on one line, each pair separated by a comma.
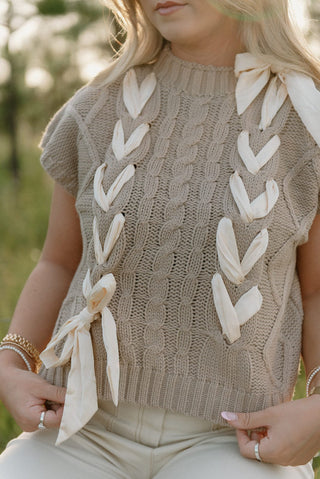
[(81, 397), (253, 75), (232, 317)]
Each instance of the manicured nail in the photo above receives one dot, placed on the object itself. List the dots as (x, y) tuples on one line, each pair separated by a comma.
[(229, 416)]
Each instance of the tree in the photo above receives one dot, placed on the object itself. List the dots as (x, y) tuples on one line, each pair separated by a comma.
[(61, 34)]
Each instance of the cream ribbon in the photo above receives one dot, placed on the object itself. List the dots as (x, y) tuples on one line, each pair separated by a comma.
[(135, 98), (228, 254), (260, 206), (232, 317), (122, 148), (253, 162), (81, 396), (105, 200), (112, 236), (253, 75)]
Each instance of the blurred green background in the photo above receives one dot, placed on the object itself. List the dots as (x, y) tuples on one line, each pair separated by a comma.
[(49, 48)]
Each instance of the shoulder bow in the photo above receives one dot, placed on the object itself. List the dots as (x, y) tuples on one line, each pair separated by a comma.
[(253, 75)]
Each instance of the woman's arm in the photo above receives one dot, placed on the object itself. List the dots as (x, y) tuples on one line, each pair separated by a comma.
[(37, 309), (36, 314), (309, 274), (292, 430)]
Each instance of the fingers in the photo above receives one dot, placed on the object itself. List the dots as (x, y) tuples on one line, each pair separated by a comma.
[(41, 396), (248, 420), (257, 435), (55, 397), (52, 418), (247, 444), (32, 396), (55, 393)]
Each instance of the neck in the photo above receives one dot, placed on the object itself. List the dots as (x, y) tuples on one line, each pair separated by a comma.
[(218, 51)]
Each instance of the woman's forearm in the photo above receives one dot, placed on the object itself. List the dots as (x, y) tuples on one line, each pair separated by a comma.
[(39, 303), (311, 334)]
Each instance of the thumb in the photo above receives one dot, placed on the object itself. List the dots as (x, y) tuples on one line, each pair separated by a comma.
[(246, 420)]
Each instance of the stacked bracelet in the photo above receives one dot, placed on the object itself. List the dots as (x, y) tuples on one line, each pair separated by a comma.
[(310, 377), (26, 362), (24, 344)]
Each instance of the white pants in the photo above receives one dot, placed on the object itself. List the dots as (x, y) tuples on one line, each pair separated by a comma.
[(133, 442)]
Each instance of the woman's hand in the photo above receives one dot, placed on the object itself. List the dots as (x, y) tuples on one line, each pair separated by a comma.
[(24, 394), (288, 434)]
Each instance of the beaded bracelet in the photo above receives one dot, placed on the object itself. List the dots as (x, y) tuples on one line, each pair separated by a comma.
[(310, 377), (25, 345), (26, 362)]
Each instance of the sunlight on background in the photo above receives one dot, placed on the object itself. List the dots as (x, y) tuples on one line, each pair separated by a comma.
[(299, 13), (32, 30)]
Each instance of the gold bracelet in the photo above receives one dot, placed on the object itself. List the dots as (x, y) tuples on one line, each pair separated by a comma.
[(25, 345)]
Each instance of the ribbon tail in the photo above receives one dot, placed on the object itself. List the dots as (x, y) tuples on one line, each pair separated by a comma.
[(306, 100), (248, 305), (81, 401), (273, 101), (228, 251), (226, 312), (48, 355), (249, 85), (111, 344)]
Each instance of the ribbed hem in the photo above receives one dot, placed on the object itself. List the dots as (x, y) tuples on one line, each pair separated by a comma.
[(184, 395), (193, 78)]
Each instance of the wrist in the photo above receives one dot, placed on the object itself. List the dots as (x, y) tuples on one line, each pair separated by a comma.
[(313, 380), (9, 358)]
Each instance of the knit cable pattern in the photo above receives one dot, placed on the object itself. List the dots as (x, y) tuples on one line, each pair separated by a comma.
[(81, 399), (203, 191)]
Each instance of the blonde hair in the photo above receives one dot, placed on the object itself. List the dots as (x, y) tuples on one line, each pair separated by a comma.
[(266, 28)]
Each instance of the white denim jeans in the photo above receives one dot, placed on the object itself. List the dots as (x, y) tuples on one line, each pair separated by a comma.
[(134, 442)]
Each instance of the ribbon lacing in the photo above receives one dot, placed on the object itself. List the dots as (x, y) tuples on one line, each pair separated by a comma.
[(81, 396), (253, 75)]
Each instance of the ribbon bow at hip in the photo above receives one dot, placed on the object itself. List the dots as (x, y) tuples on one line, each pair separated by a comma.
[(81, 397), (253, 75)]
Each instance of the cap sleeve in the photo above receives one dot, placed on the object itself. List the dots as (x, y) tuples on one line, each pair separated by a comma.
[(60, 153)]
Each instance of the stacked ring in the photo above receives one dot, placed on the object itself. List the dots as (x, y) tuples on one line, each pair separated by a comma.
[(41, 425), (256, 452)]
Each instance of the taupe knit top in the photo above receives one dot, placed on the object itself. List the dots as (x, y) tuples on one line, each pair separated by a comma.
[(207, 211)]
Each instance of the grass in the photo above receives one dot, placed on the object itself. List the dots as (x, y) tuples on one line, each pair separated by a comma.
[(23, 224)]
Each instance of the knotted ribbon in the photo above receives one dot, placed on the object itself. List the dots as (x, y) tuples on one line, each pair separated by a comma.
[(254, 74), (81, 396)]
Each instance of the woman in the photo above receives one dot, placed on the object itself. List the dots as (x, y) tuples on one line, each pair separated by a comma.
[(187, 180)]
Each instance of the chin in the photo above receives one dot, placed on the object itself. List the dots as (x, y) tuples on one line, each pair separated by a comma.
[(177, 35)]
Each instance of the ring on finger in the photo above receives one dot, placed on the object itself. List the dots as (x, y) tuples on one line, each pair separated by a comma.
[(256, 452), (41, 425)]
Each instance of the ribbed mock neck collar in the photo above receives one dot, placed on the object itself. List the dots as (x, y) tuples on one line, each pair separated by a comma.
[(193, 78)]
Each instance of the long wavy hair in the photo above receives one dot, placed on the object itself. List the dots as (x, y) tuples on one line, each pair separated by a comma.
[(266, 28)]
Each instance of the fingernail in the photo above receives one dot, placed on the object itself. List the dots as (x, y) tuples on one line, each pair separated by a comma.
[(229, 416)]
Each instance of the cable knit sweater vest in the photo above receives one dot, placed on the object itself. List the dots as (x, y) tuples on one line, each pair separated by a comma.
[(197, 213)]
